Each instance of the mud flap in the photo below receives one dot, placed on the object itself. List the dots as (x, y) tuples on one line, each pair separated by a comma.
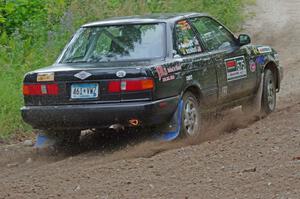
[(258, 97), (44, 142), (171, 130)]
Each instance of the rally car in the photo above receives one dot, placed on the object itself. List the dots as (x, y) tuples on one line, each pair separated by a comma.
[(144, 71)]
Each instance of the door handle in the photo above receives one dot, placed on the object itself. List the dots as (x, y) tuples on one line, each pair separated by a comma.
[(206, 59), (203, 59), (218, 59)]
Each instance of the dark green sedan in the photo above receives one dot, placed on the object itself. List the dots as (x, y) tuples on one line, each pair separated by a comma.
[(150, 71)]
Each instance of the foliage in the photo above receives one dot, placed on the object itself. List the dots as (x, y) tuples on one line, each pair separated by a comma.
[(32, 34)]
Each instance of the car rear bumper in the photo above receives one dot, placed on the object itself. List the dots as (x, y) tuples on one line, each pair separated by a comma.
[(100, 115)]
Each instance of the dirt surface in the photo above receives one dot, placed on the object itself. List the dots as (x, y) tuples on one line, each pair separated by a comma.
[(239, 157)]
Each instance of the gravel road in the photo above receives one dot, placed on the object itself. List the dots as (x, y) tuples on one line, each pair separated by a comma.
[(239, 157)]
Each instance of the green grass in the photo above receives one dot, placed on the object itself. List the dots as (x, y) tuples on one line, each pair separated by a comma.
[(40, 38)]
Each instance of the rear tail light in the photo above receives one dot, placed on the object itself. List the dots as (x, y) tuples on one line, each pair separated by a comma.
[(114, 86), (40, 89), (52, 89), (33, 89), (138, 85), (130, 85)]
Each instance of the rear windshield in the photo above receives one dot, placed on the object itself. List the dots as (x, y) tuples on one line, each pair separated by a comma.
[(116, 43)]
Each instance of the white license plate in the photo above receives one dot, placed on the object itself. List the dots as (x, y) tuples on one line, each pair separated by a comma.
[(84, 91)]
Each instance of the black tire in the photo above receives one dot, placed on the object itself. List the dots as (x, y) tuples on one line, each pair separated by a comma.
[(268, 103), (191, 116)]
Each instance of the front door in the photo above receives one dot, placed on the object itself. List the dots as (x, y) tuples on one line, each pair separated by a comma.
[(235, 79)]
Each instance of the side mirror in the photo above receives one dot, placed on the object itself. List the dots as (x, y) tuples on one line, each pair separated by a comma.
[(244, 39)]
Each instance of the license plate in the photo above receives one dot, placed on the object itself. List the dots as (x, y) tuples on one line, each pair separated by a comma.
[(84, 91)]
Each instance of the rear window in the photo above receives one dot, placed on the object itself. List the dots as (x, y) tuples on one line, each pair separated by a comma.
[(116, 43)]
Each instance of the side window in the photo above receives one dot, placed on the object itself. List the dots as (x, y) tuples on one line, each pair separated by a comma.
[(102, 44), (81, 45), (186, 40), (213, 34)]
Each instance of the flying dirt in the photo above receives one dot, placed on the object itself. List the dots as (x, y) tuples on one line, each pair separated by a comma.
[(238, 157)]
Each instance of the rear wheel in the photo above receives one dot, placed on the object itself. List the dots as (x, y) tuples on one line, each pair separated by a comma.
[(190, 117)]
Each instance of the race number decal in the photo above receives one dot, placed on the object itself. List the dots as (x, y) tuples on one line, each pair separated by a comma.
[(236, 68)]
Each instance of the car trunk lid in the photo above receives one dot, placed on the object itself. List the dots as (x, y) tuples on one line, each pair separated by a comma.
[(77, 85)]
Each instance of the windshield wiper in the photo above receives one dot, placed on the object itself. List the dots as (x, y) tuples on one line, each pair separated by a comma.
[(103, 58), (79, 61)]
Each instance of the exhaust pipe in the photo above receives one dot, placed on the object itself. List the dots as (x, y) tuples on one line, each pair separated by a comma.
[(134, 122), (117, 127)]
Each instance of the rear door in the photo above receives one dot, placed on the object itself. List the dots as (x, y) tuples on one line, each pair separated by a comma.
[(198, 67), (232, 62)]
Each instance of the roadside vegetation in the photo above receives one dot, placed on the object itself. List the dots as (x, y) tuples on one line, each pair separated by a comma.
[(33, 33)]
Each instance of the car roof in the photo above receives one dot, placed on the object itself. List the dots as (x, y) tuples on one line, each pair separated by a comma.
[(153, 18)]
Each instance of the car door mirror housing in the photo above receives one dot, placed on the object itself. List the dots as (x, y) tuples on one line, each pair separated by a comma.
[(244, 39)]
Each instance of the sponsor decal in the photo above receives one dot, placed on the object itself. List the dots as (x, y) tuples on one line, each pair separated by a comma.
[(252, 66), (168, 78), (236, 68), (161, 72), (189, 78), (189, 47), (186, 43), (45, 77), (260, 60), (164, 73), (82, 75), (184, 25), (173, 69), (264, 49)]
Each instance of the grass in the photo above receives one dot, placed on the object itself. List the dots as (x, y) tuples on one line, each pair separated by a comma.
[(20, 53)]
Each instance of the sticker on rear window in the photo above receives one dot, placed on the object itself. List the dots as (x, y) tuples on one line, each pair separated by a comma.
[(184, 25)]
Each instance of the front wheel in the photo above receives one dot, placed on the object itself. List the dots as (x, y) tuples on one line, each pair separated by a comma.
[(265, 100), (268, 103), (190, 117)]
